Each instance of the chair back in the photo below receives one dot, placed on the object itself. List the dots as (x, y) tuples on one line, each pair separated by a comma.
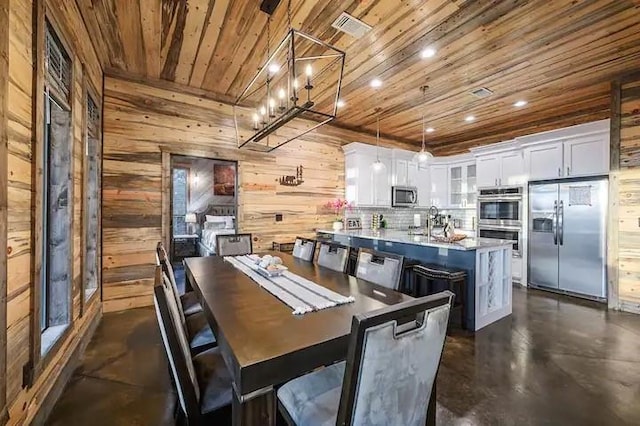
[(234, 244), (392, 362), (304, 249), (380, 268), (167, 269), (333, 256), (176, 347)]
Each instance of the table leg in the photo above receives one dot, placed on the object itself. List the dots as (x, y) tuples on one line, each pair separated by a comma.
[(257, 411), (431, 408)]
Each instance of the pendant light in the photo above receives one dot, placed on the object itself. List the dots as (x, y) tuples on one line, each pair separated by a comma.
[(295, 91), (423, 156), (378, 166)]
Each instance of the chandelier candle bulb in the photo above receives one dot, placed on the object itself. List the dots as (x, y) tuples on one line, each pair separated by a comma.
[(272, 108), (309, 72), (282, 96)]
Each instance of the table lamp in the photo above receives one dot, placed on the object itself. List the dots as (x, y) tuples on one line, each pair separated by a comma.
[(190, 218)]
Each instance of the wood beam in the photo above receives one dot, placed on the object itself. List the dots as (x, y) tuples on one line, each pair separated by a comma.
[(614, 188)]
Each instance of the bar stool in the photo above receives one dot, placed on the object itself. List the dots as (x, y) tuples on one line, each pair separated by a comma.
[(407, 285), (453, 278)]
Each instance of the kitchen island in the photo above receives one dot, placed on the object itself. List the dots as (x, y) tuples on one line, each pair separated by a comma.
[(487, 263)]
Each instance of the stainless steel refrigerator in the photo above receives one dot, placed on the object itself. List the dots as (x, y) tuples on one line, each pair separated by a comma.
[(568, 237)]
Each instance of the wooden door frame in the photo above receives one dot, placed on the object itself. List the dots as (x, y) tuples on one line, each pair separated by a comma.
[(166, 184), (43, 14), (90, 91)]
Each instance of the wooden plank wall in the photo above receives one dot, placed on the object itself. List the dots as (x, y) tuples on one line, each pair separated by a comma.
[(143, 120), (4, 86), (20, 176), (628, 250)]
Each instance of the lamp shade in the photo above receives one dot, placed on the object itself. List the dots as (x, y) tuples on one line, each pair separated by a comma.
[(190, 218)]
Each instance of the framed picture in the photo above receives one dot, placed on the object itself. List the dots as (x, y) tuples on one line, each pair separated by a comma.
[(224, 179)]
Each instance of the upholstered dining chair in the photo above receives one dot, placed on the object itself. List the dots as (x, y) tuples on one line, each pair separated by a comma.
[(203, 382), (304, 249), (192, 318), (333, 256), (234, 244), (388, 376), (188, 300), (380, 268)]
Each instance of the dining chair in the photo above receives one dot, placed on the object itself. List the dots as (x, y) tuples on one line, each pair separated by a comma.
[(380, 268), (304, 249), (189, 302), (389, 374), (333, 256), (203, 382), (194, 321), (234, 244)]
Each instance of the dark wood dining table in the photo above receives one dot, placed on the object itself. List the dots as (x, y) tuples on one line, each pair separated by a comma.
[(262, 342)]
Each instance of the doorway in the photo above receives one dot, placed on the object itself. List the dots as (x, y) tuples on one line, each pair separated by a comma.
[(203, 204)]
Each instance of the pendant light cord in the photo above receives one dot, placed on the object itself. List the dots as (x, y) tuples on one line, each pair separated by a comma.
[(378, 137), (424, 96)]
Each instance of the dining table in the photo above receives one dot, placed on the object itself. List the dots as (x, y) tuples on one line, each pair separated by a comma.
[(263, 343)]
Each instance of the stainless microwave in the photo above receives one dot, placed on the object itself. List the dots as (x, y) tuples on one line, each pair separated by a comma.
[(404, 196)]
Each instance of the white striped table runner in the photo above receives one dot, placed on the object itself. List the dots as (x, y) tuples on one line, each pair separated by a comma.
[(299, 293)]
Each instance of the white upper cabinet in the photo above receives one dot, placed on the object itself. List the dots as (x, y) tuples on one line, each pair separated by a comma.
[(400, 175), (512, 168), (488, 170), (500, 164), (381, 182), (439, 174), (501, 169), (363, 186), (586, 155), (581, 150), (544, 161), (419, 176), (462, 184)]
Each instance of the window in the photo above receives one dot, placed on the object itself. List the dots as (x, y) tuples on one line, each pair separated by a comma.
[(92, 202), (180, 200), (57, 195)]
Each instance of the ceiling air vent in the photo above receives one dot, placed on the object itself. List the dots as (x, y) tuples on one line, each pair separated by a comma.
[(350, 25), (481, 93)]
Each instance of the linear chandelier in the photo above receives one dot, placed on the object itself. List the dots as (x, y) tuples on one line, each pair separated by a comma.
[(295, 91)]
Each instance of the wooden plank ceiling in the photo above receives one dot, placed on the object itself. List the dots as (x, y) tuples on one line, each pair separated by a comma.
[(557, 55)]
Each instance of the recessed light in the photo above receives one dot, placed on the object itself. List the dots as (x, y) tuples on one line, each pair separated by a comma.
[(340, 103), (274, 68), (469, 118), (430, 130), (520, 104), (429, 52), (376, 83)]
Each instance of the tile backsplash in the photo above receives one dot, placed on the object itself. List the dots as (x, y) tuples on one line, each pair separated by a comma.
[(402, 218)]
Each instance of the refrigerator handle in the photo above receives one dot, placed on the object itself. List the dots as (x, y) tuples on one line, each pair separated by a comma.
[(554, 223), (561, 222)]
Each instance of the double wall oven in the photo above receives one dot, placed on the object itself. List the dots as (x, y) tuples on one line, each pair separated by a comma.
[(500, 215)]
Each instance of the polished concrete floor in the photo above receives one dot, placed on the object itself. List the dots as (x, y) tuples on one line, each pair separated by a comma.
[(555, 361)]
